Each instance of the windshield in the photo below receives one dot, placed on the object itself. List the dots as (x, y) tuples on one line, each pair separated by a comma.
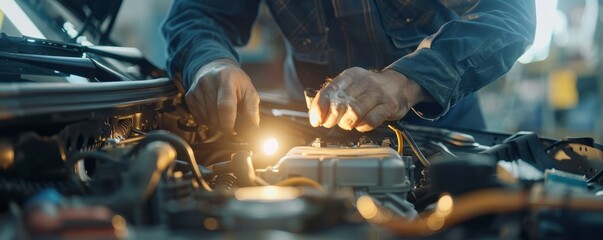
[(37, 19), (44, 41), (16, 20), (6, 25)]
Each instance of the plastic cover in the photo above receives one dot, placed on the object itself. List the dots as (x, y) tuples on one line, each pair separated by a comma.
[(369, 166)]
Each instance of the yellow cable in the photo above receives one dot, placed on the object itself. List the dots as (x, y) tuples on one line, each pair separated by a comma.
[(398, 137), (296, 181)]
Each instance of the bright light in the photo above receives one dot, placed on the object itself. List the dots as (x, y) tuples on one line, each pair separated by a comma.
[(270, 146), (546, 14), (266, 193)]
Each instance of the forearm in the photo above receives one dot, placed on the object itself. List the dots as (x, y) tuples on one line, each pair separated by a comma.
[(466, 54), (199, 32)]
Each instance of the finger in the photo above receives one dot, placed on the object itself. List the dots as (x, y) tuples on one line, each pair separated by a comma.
[(357, 110), (348, 119), (320, 106), (197, 101), (373, 118), (205, 98), (227, 108), (336, 111), (210, 107), (251, 106), (195, 106)]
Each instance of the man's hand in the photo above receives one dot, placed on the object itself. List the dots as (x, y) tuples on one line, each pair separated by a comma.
[(219, 91), (363, 99)]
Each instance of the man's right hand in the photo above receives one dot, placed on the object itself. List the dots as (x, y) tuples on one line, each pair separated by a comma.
[(220, 90)]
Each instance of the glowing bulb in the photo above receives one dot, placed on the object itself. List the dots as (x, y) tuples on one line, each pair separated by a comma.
[(270, 146)]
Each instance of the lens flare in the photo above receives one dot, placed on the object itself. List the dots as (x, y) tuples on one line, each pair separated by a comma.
[(270, 146), (444, 205), (367, 208)]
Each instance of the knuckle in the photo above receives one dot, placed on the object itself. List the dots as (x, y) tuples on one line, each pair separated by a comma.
[(351, 116), (347, 71), (226, 103), (356, 69), (328, 90), (354, 110), (229, 75), (351, 71), (224, 76), (347, 123), (332, 87), (372, 120), (355, 87), (211, 75)]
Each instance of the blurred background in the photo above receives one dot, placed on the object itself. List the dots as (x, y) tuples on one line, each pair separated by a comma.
[(555, 89)]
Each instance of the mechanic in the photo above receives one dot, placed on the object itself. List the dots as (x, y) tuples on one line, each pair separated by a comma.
[(385, 57)]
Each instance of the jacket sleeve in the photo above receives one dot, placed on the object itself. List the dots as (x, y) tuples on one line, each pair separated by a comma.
[(468, 53), (200, 31)]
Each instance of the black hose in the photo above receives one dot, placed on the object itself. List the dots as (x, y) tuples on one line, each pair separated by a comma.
[(141, 179), (183, 150), (76, 157)]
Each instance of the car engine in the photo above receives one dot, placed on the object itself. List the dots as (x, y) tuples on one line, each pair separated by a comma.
[(97, 143), (154, 174)]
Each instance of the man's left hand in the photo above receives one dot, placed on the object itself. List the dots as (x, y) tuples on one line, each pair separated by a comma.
[(362, 100)]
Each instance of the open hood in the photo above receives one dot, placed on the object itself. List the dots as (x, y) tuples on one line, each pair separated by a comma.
[(97, 16)]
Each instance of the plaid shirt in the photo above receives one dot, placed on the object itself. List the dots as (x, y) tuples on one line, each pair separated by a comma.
[(450, 47)]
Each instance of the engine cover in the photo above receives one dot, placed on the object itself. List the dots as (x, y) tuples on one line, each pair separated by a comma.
[(369, 166)]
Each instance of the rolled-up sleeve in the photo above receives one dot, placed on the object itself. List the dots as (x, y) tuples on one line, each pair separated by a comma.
[(200, 31), (470, 52)]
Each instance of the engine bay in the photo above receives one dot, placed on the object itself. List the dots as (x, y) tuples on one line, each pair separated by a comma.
[(97, 143), (155, 174)]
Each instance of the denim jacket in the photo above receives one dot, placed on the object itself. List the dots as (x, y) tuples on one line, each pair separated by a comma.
[(450, 47)]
